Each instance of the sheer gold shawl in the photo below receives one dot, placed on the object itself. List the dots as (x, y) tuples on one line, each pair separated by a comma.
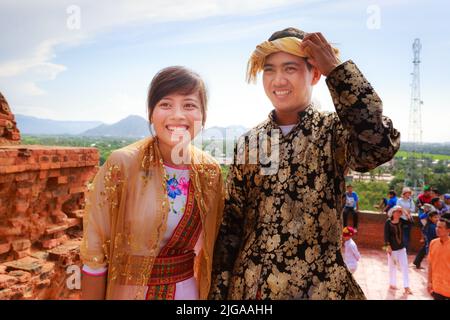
[(126, 217)]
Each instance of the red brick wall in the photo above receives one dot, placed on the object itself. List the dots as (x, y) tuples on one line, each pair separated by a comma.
[(41, 203), (371, 231)]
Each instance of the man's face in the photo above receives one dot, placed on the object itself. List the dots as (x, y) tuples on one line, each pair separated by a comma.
[(434, 219), (427, 193), (288, 82), (349, 189), (442, 230)]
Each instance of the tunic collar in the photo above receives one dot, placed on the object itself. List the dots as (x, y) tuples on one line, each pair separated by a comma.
[(304, 120)]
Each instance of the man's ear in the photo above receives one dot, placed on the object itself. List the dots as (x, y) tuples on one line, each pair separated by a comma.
[(316, 76)]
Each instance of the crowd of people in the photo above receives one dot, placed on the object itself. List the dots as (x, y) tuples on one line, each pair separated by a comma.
[(433, 211)]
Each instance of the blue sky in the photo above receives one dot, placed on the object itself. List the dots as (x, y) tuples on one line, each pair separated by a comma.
[(100, 69)]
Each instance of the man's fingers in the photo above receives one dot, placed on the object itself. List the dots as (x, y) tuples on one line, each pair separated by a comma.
[(322, 38), (308, 44), (316, 38), (312, 62)]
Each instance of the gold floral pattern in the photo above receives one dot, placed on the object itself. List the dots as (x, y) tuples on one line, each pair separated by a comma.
[(281, 233)]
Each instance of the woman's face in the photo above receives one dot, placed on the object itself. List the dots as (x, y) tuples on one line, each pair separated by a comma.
[(177, 118), (397, 214)]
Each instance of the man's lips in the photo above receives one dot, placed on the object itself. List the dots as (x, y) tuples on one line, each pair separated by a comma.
[(281, 93)]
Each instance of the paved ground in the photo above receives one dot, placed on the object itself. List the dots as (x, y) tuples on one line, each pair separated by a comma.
[(373, 277)]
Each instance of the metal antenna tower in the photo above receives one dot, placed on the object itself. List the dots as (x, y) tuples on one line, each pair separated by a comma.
[(414, 173)]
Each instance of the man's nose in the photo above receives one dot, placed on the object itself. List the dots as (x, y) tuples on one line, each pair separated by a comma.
[(280, 79)]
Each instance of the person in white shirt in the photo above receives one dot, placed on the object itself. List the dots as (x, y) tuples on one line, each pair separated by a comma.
[(351, 253), (407, 203)]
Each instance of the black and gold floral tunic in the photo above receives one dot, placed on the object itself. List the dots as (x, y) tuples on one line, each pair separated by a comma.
[(281, 233)]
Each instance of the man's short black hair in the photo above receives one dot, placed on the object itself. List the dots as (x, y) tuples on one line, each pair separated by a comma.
[(434, 200), (392, 192), (288, 32), (446, 218)]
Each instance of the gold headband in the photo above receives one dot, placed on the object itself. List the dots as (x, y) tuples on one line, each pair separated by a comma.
[(288, 44)]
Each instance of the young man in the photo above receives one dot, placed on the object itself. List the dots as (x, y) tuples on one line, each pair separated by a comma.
[(392, 202), (439, 261), (351, 207), (447, 201), (439, 205), (424, 197), (281, 233)]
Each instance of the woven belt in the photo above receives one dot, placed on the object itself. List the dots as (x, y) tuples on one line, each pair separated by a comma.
[(172, 269)]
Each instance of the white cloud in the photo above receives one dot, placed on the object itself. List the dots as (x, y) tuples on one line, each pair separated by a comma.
[(32, 30)]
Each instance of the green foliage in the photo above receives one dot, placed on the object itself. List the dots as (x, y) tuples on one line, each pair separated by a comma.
[(370, 193)]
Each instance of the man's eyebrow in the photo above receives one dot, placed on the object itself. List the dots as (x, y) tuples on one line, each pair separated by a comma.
[(289, 63)]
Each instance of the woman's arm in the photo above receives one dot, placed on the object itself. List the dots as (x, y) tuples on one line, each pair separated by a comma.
[(94, 287)]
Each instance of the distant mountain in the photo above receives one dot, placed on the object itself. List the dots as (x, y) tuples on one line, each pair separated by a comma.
[(33, 125), (137, 127), (227, 133), (131, 126)]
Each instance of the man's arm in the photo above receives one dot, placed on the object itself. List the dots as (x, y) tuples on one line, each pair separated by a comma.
[(368, 138), (229, 238), (430, 278)]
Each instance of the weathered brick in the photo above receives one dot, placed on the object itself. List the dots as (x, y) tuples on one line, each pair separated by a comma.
[(21, 206), (7, 281), (21, 244), (76, 214), (77, 190), (4, 247), (22, 176), (56, 228), (22, 276), (6, 294), (62, 179), (21, 254), (27, 264), (71, 222), (47, 271)]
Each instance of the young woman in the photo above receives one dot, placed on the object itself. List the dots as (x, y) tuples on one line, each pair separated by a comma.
[(154, 208), (395, 247)]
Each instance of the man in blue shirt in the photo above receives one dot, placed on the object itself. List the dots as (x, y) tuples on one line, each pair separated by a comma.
[(351, 206), (392, 202)]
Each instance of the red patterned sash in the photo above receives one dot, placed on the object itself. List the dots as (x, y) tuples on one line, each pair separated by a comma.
[(175, 261)]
